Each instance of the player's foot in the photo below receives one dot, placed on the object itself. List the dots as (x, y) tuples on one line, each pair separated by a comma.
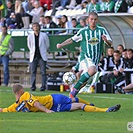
[(91, 104), (120, 90), (114, 108), (73, 93)]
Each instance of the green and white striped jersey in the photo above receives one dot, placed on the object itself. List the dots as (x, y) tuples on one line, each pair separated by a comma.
[(91, 42)]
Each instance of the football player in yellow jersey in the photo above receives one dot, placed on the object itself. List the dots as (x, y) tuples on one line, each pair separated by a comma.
[(26, 102)]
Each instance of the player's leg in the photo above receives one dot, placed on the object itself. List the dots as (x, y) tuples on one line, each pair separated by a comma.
[(88, 108), (80, 100), (82, 80)]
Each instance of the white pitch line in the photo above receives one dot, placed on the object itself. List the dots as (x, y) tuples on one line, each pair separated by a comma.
[(109, 97), (104, 97)]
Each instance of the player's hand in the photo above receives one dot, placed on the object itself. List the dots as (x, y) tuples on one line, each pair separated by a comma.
[(49, 111), (121, 70), (115, 73), (1, 109), (58, 46), (104, 38)]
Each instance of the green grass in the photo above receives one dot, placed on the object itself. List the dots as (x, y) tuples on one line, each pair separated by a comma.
[(68, 122)]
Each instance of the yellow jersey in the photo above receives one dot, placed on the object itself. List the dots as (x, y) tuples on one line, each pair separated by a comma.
[(26, 103)]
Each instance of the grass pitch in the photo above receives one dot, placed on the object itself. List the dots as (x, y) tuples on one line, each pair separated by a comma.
[(68, 122)]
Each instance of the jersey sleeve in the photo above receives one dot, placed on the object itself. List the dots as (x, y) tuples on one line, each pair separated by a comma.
[(11, 108), (105, 32), (77, 37), (28, 98)]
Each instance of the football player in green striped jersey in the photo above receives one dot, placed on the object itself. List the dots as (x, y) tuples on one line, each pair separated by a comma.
[(92, 39)]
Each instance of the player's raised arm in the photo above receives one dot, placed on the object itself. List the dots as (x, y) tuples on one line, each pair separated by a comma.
[(66, 42), (107, 41), (41, 107)]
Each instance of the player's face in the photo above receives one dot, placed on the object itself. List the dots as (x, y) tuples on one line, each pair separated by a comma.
[(110, 52), (4, 31), (129, 54), (92, 20), (35, 27), (124, 54), (120, 49), (116, 56), (82, 23), (74, 23)]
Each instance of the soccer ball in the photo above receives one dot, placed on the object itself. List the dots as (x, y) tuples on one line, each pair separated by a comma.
[(69, 78)]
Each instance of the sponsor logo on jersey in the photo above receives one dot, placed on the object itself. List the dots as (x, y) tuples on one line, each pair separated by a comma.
[(93, 41)]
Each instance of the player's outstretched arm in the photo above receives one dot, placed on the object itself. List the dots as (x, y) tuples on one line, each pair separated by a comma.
[(41, 107), (66, 42)]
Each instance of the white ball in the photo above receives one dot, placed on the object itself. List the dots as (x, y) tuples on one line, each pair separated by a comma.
[(69, 78)]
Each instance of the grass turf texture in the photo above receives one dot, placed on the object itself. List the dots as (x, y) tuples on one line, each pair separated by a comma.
[(68, 122)]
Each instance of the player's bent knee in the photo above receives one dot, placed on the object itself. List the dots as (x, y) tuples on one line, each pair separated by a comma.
[(92, 70)]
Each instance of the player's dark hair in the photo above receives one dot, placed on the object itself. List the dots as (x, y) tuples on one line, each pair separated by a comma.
[(117, 51), (73, 19), (121, 46), (48, 17), (111, 48), (125, 50), (130, 50)]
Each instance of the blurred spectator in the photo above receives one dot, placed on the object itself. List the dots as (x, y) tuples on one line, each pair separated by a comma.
[(129, 62), (83, 4), (55, 4), (46, 4), (6, 49), (130, 10), (13, 21), (19, 13), (120, 6), (82, 22), (120, 48), (36, 12), (10, 9), (49, 24), (129, 2), (116, 77), (75, 24), (106, 64), (127, 89), (109, 6), (103, 6), (27, 6), (93, 6), (124, 55), (73, 3), (1, 8), (63, 4), (65, 24), (128, 65), (42, 22), (59, 22), (118, 69)]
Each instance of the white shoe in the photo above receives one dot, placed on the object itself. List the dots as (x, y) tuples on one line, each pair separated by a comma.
[(4, 85), (59, 8), (70, 7)]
